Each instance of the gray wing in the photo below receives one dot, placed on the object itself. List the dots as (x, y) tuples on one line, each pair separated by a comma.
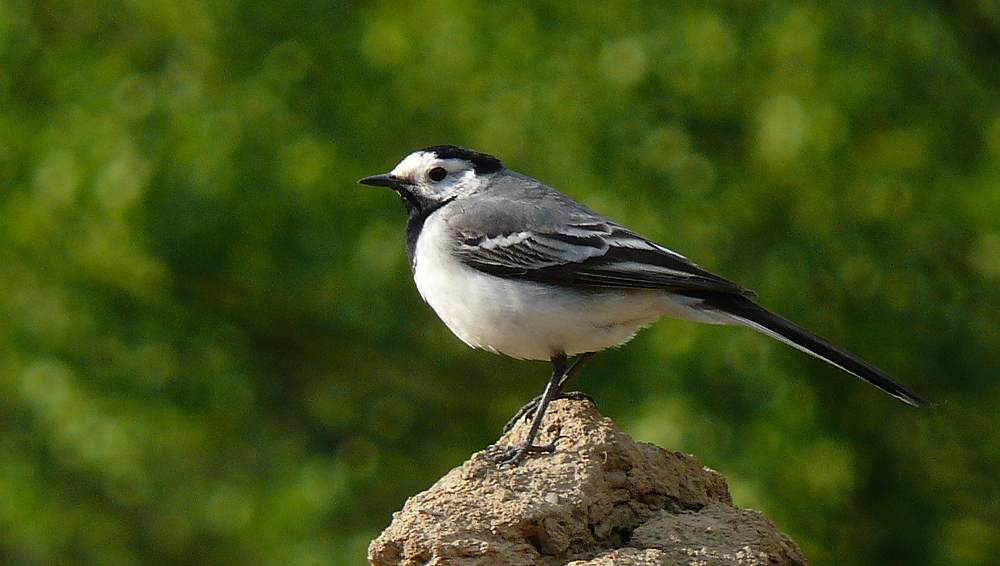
[(543, 235)]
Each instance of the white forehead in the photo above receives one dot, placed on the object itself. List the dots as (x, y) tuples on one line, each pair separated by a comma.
[(420, 162), (416, 162)]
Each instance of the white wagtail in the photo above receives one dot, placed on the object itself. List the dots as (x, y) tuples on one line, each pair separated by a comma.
[(516, 267)]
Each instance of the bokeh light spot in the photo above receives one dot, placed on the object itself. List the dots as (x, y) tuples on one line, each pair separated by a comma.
[(623, 62), (385, 44), (782, 128), (57, 178), (984, 256)]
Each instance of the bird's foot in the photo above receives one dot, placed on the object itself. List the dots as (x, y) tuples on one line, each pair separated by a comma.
[(511, 456), (528, 410)]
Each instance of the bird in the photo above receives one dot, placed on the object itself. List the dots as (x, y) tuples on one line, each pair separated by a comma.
[(515, 267)]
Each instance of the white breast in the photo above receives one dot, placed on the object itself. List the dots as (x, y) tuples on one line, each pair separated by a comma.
[(525, 319)]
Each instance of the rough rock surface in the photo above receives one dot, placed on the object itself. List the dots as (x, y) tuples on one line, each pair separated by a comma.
[(600, 499)]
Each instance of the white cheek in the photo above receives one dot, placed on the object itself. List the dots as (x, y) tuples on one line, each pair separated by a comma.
[(452, 185)]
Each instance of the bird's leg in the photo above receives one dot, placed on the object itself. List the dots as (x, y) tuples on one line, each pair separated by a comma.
[(573, 370), (513, 455), (528, 410)]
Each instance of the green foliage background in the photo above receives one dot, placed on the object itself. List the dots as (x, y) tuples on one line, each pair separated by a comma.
[(211, 351)]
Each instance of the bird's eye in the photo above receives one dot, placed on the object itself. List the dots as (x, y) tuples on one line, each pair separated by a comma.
[(437, 174)]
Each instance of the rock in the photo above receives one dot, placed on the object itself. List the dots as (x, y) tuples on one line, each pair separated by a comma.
[(600, 499)]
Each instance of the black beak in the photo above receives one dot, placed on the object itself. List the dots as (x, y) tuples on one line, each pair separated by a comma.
[(384, 180)]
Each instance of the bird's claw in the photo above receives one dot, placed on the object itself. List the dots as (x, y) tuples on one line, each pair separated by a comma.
[(514, 455)]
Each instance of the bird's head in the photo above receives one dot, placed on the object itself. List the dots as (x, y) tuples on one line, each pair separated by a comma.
[(431, 176)]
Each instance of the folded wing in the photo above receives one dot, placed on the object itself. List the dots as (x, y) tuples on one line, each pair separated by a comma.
[(588, 254)]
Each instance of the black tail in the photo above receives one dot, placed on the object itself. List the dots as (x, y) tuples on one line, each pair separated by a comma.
[(750, 314)]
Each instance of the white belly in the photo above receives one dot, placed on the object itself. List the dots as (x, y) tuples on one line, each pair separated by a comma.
[(531, 320)]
